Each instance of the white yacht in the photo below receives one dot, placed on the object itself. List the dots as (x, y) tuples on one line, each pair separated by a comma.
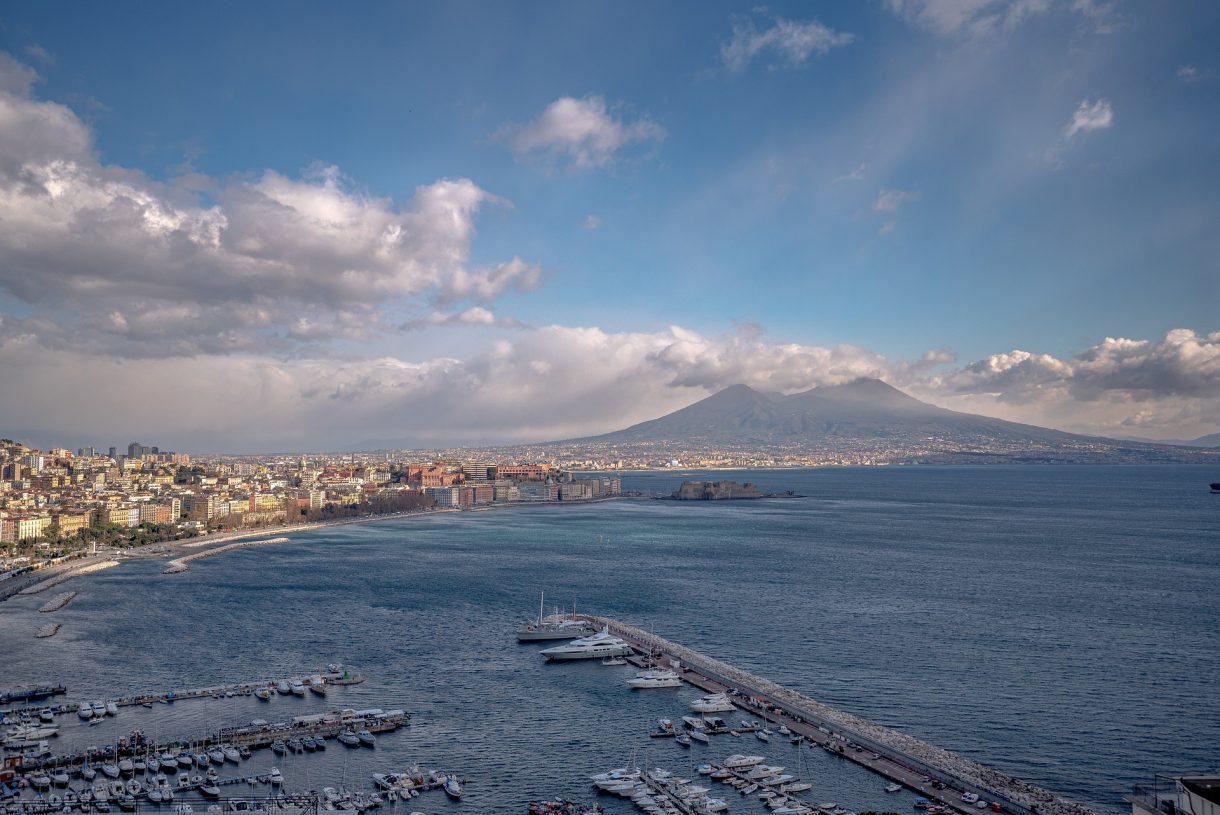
[(602, 644), (111, 709), (715, 703), (738, 761), (297, 687), (655, 678)]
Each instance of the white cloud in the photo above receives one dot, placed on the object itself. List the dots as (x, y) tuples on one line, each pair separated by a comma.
[(855, 175), (1090, 116), (240, 262), (582, 131), (891, 200), (559, 381), (591, 222), (979, 17), (793, 41), (1189, 73)]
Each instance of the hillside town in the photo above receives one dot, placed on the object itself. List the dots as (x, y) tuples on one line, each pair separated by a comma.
[(66, 501)]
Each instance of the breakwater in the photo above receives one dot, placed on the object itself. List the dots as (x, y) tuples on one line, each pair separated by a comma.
[(889, 752), (68, 574), (57, 602), (178, 565)]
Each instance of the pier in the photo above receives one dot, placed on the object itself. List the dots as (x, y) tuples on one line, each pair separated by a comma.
[(932, 771), (341, 677), (179, 565), (325, 725)]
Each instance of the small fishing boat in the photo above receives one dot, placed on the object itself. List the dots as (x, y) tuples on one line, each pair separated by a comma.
[(893, 788), (615, 660), (209, 789), (319, 742), (699, 735), (453, 788), (264, 694), (279, 747), (683, 739), (762, 735), (274, 778), (317, 684), (348, 739), (309, 744), (294, 745)]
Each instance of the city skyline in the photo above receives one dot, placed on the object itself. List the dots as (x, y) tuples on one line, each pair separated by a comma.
[(291, 234)]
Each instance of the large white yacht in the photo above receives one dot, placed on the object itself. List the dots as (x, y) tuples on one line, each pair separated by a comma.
[(655, 678), (601, 644), (715, 703)]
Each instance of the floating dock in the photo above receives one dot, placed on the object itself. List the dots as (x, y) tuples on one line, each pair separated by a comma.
[(931, 771), (179, 565), (58, 601)]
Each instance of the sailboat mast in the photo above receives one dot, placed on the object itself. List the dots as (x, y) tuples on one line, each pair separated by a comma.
[(541, 600)]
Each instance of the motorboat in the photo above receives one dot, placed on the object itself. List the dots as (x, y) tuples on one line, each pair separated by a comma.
[(453, 787), (294, 745), (614, 661), (127, 803), (282, 687), (216, 755), (209, 789), (244, 751), (185, 759), (60, 778), (279, 747), (893, 788), (263, 694), (738, 761), (699, 735), (46, 715), (99, 708), (297, 687), (714, 703), (87, 772), (349, 739), (319, 741), (274, 778), (762, 735), (168, 762), (683, 739), (230, 753), (153, 795), (110, 770), (85, 712), (309, 744), (694, 722), (139, 765), (134, 787), (598, 646), (184, 780), (126, 766), (112, 709), (797, 786), (202, 760), (366, 738), (655, 678)]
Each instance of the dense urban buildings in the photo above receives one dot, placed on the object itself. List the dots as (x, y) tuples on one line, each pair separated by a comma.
[(63, 500)]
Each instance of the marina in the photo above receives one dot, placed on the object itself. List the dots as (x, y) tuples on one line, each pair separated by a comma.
[(935, 773)]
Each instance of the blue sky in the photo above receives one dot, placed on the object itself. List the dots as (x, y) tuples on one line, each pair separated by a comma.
[(973, 178)]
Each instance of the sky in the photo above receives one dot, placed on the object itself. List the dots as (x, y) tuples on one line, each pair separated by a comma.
[(311, 226)]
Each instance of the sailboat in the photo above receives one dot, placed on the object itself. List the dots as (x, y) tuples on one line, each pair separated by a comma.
[(552, 628)]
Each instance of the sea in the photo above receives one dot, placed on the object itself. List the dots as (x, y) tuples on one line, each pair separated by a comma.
[(1061, 624)]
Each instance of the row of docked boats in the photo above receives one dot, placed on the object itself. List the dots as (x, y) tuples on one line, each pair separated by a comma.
[(315, 684), (659, 792), (97, 710), (412, 781)]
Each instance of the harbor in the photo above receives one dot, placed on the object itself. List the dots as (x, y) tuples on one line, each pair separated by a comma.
[(935, 773)]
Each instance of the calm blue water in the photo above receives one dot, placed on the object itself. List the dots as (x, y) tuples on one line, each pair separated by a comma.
[(1060, 623)]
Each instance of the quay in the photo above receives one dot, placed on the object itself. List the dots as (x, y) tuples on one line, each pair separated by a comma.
[(254, 736), (284, 803), (932, 771), (331, 677), (179, 565)]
